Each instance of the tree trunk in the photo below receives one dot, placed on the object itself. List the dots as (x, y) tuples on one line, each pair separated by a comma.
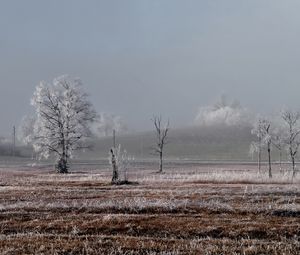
[(259, 160), (160, 162), (294, 169), (62, 166), (270, 167), (280, 160), (115, 177)]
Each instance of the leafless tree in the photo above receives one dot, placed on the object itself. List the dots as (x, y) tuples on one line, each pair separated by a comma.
[(278, 142), (262, 129), (161, 138), (267, 140), (257, 145), (291, 119)]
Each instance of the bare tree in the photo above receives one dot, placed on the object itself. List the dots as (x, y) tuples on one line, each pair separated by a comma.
[(257, 145), (267, 140), (291, 119), (262, 129), (107, 123), (161, 138), (63, 115), (278, 142)]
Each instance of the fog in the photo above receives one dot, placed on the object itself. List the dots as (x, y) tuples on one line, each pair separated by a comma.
[(138, 58)]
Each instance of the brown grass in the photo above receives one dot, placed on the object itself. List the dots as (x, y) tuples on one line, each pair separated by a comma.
[(81, 213)]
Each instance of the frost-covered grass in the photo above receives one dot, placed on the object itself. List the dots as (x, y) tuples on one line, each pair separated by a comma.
[(229, 174), (199, 210), (229, 177)]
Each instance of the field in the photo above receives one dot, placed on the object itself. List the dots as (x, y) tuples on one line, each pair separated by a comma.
[(190, 209)]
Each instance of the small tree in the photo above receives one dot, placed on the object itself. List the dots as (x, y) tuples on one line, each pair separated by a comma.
[(120, 162), (267, 140), (63, 115), (257, 146), (262, 129), (25, 130), (114, 164), (278, 142), (292, 141), (107, 123), (161, 139)]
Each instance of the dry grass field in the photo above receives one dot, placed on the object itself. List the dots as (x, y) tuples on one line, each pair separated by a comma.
[(213, 209)]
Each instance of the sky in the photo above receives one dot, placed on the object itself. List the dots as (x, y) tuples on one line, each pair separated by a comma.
[(139, 58)]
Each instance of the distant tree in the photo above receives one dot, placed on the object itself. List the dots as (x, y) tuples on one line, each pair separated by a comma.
[(278, 139), (222, 102), (106, 123), (63, 115), (161, 138), (257, 146), (6, 147), (292, 140), (267, 140), (223, 113), (25, 131)]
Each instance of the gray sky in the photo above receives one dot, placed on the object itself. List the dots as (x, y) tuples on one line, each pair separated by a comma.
[(138, 58)]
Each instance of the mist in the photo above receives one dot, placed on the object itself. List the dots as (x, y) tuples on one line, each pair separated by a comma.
[(140, 58)]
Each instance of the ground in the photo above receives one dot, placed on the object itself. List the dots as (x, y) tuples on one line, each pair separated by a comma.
[(190, 209)]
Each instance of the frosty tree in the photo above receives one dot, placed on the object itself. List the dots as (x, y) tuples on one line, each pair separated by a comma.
[(109, 122), (267, 140), (223, 113), (161, 139), (120, 162), (292, 141), (26, 128), (262, 130), (63, 115), (257, 146), (278, 140)]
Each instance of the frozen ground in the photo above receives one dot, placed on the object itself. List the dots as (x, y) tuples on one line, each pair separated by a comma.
[(192, 208)]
